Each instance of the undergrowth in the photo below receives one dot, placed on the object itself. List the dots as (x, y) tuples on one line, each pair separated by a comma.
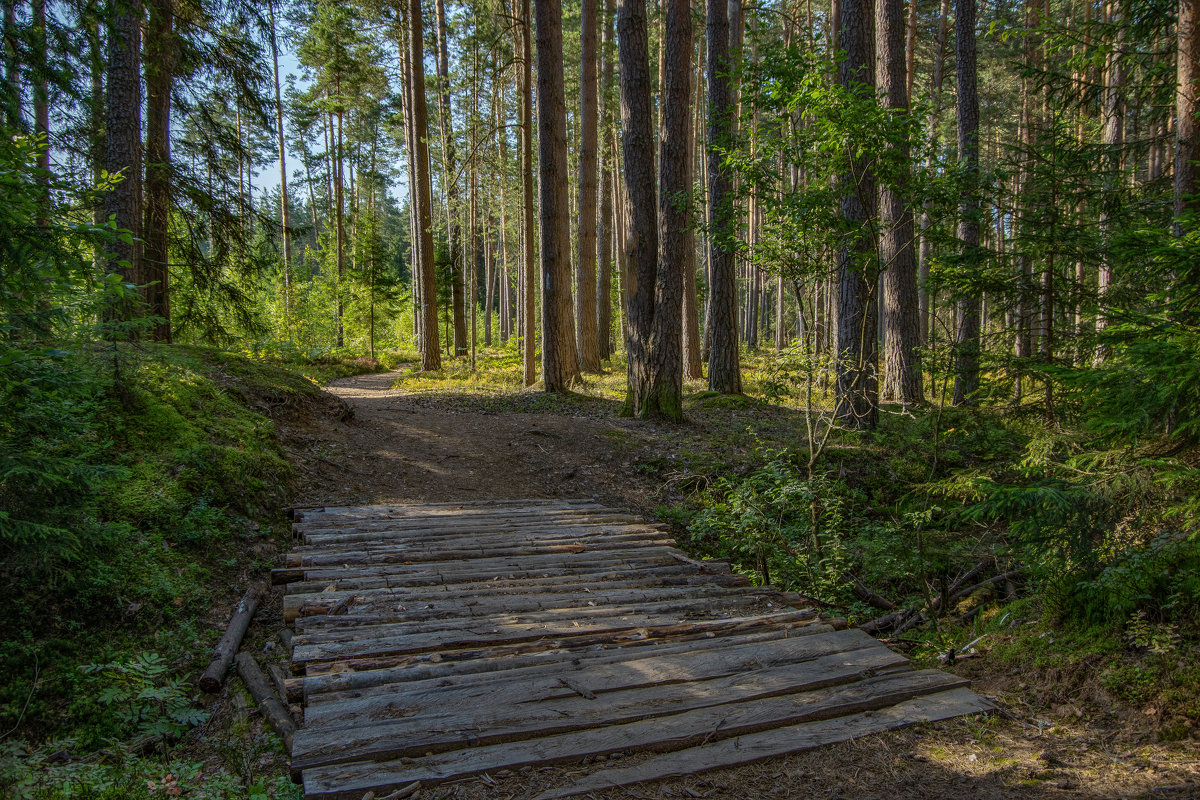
[(142, 486)]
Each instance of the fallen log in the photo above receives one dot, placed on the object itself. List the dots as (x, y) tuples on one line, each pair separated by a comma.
[(223, 654), (864, 593), (272, 707)]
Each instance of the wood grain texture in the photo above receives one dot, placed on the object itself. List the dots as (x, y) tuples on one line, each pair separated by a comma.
[(436, 642)]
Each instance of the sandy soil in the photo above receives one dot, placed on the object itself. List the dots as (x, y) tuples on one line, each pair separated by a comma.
[(403, 447)]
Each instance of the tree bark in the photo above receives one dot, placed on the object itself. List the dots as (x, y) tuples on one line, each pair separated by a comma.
[(123, 143), (637, 144), (1113, 138), (901, 320), (967, 341), (529, 275), (724, 370), (586, 262), (1187, 79), (857, 341), (284, 215), (160, 73), (693, 368), (560, 362), (431, 357), (926, 247)]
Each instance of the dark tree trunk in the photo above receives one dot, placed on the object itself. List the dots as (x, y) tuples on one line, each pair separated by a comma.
[(857, 340), (606, 233), (1114, 140), (637, 144), (160, 73), (966, 371), (902, 320), (724, 370), (123, 142), (12, 68), (1187, 87), (693, 368), (560, 362), (926, 247), (284, 215), (585, 274), (528, 272), (431, 357), (449, 176)]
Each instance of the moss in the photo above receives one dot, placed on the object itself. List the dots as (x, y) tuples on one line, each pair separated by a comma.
[(203, 479)]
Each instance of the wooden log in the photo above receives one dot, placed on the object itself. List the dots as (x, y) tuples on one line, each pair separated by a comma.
[(544, 654), (864, 593), (675, 732), (286, 575), (628, 631), (223, 654), (778, 742), (442, 695), (272, 707), (422, 734)]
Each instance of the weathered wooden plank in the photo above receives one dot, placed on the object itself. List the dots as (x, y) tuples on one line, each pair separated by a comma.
[(778, 742), (542, 581), (442, 695), (468, 547), (486, 568), (434, 733), (382, 606), (537, 622), (533, 657), (418, 529), (369, 555), (675, 732), (494, 532), (632, 627)]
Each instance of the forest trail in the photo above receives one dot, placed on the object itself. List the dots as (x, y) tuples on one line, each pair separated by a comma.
[(402, 446), (444, 641)]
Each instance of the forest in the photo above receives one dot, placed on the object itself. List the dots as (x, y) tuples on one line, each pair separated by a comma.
[(894, 305)]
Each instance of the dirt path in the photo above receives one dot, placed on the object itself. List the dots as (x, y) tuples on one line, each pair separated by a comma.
[(402, 447), (410, 447)]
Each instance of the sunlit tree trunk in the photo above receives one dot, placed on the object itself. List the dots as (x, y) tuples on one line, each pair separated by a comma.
[(967, 341), (1187, 80), (528, 273), (724, 369), (585, 266), (560, 361), (284, 215), (431, 357), (901, 319), (857, 341)]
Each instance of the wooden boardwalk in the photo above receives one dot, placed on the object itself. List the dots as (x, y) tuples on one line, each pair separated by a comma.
[(434, 642)]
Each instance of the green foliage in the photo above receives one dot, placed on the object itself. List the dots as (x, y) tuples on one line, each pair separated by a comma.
[(144, 698), (784, 528)]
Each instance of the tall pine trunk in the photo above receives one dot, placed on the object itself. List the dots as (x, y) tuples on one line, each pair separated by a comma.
[(967, 339), (431, 357), (901, 320), (857, 342), (160, 73), (724, 370), (284, 215), (585, 267), (528, 269), (1187, 79), (560, 361), (123, 142)]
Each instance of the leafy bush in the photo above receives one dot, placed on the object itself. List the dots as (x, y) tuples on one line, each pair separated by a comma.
[(783, 527), (145, 699)]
